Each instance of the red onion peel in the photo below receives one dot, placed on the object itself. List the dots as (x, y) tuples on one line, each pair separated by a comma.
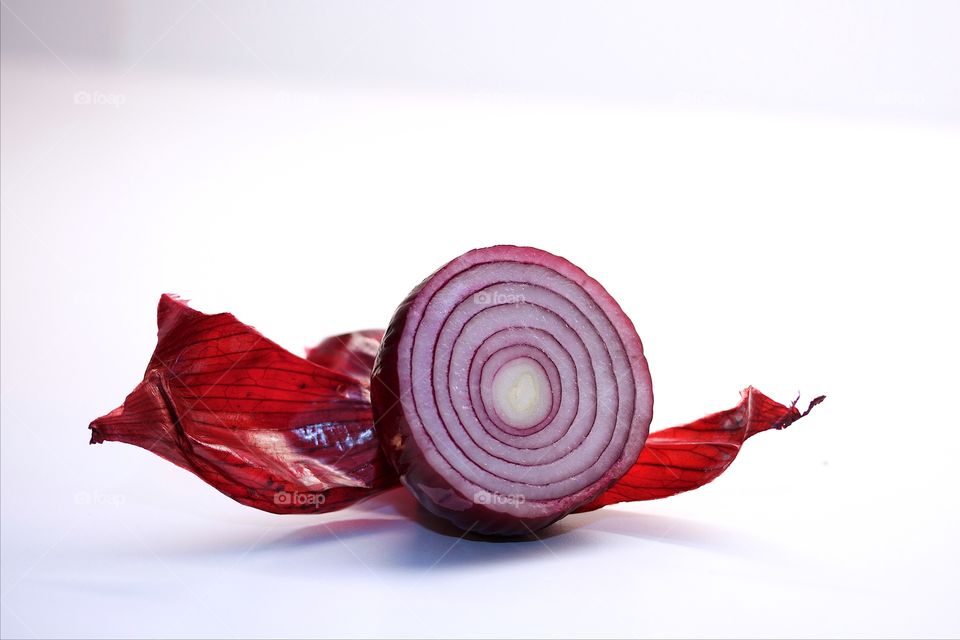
[(269, 429)]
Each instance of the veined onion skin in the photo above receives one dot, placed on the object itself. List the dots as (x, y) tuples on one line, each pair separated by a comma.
[(270, 429), (509, 390)]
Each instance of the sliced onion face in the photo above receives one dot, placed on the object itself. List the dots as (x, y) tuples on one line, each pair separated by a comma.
[(510, 389)]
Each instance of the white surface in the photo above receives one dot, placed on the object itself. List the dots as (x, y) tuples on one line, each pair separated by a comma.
[(812, 254)]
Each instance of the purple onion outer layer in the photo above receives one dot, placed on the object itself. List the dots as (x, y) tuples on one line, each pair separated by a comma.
[(510, 389)]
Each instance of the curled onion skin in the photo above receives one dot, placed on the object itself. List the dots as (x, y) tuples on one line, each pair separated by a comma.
[(497, 469), (267, 428), (351, 354), (687, 457)]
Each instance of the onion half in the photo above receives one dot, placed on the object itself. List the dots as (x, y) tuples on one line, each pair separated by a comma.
[(510, 389)]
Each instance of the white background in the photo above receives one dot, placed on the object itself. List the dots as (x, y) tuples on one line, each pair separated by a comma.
[(768, 189)]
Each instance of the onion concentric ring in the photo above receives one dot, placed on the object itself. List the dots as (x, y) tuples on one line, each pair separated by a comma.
[(510, 389)]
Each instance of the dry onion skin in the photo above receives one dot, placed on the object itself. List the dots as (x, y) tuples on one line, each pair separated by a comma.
[(266, 427), (508, 390)]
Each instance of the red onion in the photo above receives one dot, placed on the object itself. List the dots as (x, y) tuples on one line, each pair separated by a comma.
[(509, 390)]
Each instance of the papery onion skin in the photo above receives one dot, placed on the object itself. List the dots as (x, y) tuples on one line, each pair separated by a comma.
[(352, 354), (269, 429), (415, 457), (687, 457)]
